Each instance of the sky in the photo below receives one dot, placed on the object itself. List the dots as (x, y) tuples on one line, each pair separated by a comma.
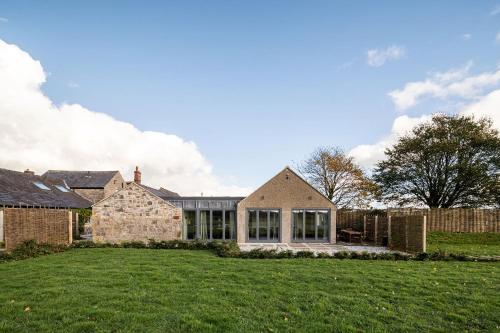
[(218, 96)]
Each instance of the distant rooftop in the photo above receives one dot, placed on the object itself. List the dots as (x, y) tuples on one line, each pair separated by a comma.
[(27, 189), (162, 192), (82, 179)]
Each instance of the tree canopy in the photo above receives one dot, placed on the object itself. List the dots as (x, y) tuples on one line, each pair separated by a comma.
[(336, 175), (449, 161)]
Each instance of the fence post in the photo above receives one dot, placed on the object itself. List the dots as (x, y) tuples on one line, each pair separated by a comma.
[(1, 226), (406, 233), (76, 225), (424, 234), (70, 227), (375, 233), (389, 231), (364, 226)]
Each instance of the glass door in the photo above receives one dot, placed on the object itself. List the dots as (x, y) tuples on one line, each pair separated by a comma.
[(310, 225)]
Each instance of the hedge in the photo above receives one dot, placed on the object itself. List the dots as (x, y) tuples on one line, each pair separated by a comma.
[(31, 249)]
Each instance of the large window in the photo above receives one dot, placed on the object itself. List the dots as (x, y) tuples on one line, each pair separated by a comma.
[(209, 224), (204, 225), (264, 225), (310, 225), (230, 224), (189, 217), (217, 225)]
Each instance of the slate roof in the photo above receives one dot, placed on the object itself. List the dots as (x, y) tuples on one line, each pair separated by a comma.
[(19, 189), (162, 192), (82, 179)]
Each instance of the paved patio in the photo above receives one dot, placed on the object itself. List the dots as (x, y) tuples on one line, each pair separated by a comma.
[(315, 247)]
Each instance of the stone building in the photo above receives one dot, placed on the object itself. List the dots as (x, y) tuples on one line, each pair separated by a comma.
[(286, 209), (92, 185), (283, 210), (135, 214)]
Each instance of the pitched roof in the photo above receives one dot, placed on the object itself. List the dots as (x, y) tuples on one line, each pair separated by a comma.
[(145, 188), (82, 179), (19, 189), (162, 192), (288, 169)]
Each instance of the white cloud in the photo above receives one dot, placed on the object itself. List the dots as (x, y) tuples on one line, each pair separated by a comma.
[(4, 19), (466, 36), (495, 10), (487, 106), (369, 154), (39, 135), (378, 57), (455, 83)]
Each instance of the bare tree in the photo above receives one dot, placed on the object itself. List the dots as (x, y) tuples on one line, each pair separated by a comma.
[(338, 177)]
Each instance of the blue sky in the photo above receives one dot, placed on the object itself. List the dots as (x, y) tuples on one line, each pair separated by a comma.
[(256, 85)]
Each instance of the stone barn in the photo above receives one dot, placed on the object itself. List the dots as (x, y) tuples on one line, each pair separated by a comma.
[(135, 214)]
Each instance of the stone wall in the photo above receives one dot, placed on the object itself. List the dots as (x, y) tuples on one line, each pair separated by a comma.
[(134, 214), (51, 226), (285, 191), (115, 184)]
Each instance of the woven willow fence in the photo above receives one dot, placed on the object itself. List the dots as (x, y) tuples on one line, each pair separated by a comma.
[(439, 219), (403, 233)]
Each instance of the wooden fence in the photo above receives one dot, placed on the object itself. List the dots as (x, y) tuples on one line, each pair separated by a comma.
[(42, 225), (407, 233), (439, 219), (1, 226), (375, 229)]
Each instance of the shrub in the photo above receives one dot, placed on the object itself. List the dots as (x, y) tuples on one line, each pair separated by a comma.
[(367, 255), (423, 256), (401, 256), (30, 249), (231, 249), (304, 254), (341, 255), (134, 244), (83, 244), (323, 255)]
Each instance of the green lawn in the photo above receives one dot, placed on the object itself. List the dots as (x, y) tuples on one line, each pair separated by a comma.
[(464, 243), (141, 290)]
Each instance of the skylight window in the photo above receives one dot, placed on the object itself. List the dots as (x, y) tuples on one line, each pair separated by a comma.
[(41, 186), (62, 188)]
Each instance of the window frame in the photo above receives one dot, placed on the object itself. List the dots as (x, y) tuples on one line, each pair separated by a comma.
[(184, 226), (316, 217), (41, 186), (268, 222), (210, 223), (62, 188)]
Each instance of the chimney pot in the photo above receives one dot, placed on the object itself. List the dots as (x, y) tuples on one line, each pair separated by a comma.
[(29, 172), (137, 175)]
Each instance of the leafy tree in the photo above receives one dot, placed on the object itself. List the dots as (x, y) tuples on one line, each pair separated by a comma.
[(449, 161), (336, 175)]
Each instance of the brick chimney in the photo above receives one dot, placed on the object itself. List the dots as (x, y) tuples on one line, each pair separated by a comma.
[(29, 172), (137, 175)]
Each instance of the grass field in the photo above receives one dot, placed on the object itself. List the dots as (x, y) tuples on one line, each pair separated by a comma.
[(141, 290), (464, 243)]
